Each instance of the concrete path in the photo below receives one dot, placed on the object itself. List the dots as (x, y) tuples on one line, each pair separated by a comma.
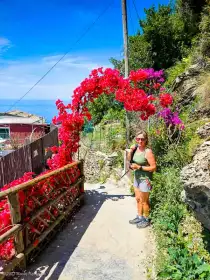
[(99, 243)]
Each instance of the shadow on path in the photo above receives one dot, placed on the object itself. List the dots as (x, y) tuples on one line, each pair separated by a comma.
[(50, 263)]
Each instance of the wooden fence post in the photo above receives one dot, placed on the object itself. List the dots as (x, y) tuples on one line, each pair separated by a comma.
[(81, 167), (126, 166), (14, 205)]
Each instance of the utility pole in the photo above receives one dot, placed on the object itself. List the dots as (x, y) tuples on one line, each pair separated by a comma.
[(125, 35), (125, 39)]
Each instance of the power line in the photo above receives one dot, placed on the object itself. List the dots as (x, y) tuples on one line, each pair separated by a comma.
[(77, 41), (134, 4), (130, 17)]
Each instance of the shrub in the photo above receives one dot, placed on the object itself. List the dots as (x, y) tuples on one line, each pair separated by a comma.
[(205, 33), (176, 70), (178, 234), (181, 248)]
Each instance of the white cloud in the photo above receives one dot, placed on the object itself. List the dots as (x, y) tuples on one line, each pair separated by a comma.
[(4, 41), (4, 44), (17, 77)]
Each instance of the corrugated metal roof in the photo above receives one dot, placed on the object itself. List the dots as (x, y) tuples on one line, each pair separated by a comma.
[(17, 116), (19, 120), (18, 113)]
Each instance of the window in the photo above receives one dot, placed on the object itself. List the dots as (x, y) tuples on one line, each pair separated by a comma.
[(4, 133)]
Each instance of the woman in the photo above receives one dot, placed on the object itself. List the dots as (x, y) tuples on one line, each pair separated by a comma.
[(144, 165)]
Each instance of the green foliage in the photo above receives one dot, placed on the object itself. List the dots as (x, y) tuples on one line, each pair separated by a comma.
[(101, 163), (167, 186), (114, 115), (120, 159), (158, 32), (167, 36), (178, 234), (158, 139), (113, 124), (204, 40), (186, 20), (191, 233), (132, 190), (103, 177), (140, 52), (140, 55), (180, 244), (176, 70), (118, 64), (170, 32), (192, 7), (178, 152), (185, 266), (100, 106), (169, 151), (109, 135)]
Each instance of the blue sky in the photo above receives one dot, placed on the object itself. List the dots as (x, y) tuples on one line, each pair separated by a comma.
[(35, 33)]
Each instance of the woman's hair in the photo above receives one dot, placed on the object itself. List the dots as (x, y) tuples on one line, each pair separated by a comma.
[(145, 135)]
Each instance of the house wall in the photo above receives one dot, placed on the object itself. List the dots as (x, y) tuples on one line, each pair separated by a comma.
[(20, 132), (23, 128)]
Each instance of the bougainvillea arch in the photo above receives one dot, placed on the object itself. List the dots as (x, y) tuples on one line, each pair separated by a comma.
[(141, 92)]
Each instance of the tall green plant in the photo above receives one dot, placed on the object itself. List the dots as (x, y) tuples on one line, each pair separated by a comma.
[(166, 36)]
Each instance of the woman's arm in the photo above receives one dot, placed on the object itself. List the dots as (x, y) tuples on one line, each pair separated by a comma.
[(151, 160)]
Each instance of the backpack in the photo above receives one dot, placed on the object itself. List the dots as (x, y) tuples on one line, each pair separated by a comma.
[(133, 152)]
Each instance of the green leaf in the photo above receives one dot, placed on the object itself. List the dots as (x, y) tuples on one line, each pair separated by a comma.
[(203, 268), (164, 274), (177, 276)]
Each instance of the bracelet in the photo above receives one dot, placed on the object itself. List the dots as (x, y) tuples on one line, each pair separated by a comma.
[(140, 168)]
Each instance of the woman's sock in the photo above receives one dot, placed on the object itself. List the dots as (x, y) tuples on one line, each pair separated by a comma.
[(140, 217)]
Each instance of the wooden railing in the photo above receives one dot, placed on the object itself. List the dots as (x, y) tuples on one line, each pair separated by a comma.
[(36, 218)]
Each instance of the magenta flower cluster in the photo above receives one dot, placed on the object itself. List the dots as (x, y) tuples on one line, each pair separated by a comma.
[(156, 75), (171, 118)]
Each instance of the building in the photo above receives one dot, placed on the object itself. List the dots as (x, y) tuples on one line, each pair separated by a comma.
[(5, 152), (16, 129)]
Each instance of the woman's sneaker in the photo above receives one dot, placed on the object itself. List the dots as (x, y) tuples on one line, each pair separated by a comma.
[(136, 220), (144, 223)]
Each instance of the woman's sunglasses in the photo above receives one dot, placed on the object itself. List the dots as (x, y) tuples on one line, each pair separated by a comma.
[(140, 139)]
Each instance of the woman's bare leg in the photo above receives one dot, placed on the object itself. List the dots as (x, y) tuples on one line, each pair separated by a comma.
[(139, 201), (144, 197)]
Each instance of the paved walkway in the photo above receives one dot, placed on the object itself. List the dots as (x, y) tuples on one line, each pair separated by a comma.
[(99, 243)]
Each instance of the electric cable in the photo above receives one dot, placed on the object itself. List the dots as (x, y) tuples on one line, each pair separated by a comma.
[(77, 41), (134, 4)]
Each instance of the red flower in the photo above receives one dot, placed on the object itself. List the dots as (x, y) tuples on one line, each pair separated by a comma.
[(165, 99), (138, 76), (156, 86), (143, 117), (36, 242), (150, 109), (54, 149)]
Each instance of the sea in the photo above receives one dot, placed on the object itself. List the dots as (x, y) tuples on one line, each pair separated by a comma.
[(42, 108)]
